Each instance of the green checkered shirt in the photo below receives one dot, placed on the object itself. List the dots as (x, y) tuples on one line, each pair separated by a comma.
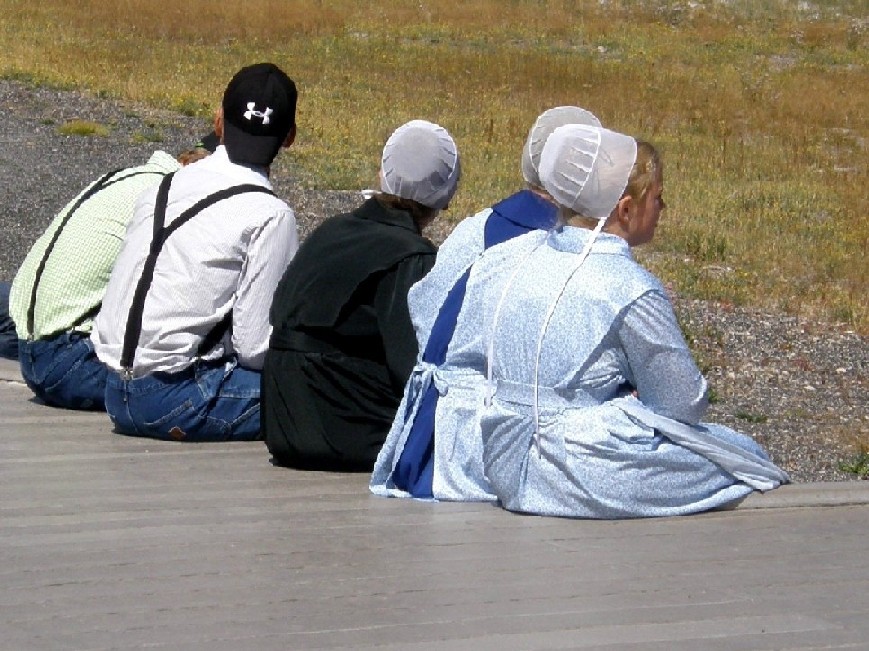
[(77, 270)]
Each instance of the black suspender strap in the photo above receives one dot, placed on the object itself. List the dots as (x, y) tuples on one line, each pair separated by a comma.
[(102, 183), (161, 234), (215, 334), (90, 314), (160, 207), (134, 318)]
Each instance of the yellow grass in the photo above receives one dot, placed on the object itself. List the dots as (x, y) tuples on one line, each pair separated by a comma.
[(759, 106)]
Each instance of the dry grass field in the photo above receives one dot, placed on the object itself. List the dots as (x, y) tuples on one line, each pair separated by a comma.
[(759, 107)]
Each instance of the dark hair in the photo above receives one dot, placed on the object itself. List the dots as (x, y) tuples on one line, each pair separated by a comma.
[(421, 214)]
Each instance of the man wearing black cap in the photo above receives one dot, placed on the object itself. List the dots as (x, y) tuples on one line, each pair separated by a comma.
[(184, 324), (58, 289)]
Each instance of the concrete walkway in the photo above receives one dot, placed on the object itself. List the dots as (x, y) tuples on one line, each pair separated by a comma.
[(110, 542)]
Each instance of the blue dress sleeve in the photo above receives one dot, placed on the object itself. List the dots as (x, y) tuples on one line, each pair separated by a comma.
[(665, 376)]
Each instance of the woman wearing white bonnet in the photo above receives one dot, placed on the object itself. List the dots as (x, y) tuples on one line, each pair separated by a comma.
[(593, 400), (432, 450), (342, 343)]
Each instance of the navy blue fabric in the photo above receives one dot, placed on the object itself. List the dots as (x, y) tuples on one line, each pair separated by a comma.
[(515, 215), (415, 468), (64, 371), (414, 471), (8, 337)]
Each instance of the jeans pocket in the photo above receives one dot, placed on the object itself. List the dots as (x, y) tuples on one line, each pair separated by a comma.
[(175, 424), (64, 362)]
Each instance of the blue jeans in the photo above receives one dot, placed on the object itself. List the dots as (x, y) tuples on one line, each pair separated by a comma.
[(64, 371), (8, 337), (208, 401)]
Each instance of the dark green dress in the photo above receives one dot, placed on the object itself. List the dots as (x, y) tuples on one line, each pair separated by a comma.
[(342, 344)]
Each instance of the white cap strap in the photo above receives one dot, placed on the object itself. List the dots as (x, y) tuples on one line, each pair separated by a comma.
[(490, 352), (582, 256)]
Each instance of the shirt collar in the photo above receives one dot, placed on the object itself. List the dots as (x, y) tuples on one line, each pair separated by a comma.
[(163, 161), (219, 162)]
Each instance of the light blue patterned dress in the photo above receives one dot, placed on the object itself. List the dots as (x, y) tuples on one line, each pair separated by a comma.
[(434, 447), (561, 429), (459, 475)]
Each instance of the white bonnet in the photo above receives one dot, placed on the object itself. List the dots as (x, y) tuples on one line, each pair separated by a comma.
[(586, 168), (540, 131), (420, 162)]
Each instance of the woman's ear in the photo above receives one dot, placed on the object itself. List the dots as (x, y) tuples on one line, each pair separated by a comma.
[(623, 211), (619, 221)]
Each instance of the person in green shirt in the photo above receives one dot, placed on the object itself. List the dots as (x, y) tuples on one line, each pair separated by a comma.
[(59, 287)]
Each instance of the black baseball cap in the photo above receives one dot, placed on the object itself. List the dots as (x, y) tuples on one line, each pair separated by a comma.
[(259, 110)]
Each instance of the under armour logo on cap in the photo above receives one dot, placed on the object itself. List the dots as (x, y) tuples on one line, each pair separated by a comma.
[(259, 111), (251, 112)]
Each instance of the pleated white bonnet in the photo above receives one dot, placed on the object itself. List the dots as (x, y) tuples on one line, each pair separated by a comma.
[(543, 126), (421, 162), (586, 168)]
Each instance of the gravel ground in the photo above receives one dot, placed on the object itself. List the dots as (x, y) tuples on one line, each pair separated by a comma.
[(798, 387)]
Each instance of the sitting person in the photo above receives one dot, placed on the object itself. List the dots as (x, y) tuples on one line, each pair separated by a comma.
[(184, 323), (8, 336), (416, 460), (593, 401), (343, 344), (59, 287)]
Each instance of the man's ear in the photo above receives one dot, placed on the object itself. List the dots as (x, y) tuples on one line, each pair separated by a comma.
[(291, 137), (218, 123)]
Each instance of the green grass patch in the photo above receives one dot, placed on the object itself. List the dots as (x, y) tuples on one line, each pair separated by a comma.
[(82, 128), (750, 417), (713, 396), (859, 465), (147, 135)]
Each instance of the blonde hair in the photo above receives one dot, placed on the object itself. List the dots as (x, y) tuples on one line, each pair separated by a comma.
[(647, 168)]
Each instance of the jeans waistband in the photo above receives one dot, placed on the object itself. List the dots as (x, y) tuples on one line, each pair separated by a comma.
[(72, 335), (159, 379)]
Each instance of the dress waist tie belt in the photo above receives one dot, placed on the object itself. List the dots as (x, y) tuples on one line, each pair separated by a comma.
[(523, 394)]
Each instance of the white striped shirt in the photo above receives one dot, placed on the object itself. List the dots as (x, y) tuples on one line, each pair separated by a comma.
[(228, 257)]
